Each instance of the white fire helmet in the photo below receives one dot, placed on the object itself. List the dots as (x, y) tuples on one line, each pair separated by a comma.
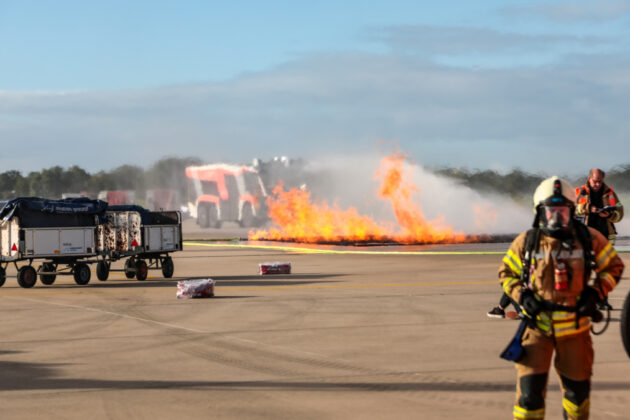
[(553, 202)]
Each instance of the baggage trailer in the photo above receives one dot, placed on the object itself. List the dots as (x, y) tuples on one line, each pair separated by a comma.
[(59, 232), (147, 238)]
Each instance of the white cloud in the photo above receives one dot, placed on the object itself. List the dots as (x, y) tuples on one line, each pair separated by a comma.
[(431, 40), (538, 118), (574, 11)]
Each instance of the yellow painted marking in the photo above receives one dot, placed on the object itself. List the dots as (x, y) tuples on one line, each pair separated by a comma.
[(333, 251), (340, 286)]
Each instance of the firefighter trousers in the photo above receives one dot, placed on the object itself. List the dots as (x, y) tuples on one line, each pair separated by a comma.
[(573, 362)]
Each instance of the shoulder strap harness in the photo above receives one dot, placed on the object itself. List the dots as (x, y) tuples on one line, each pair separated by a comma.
[(532, 242)]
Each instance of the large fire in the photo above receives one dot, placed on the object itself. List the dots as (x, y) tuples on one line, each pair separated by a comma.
[(299, 219)]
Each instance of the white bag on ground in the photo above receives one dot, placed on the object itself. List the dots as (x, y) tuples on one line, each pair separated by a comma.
[(200, 288)]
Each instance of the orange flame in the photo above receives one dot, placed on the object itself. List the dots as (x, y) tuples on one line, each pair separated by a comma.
[(298, 219), (303, 221), (398, 191)]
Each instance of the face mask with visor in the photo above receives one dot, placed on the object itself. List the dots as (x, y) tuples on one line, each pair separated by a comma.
[(556, 217)]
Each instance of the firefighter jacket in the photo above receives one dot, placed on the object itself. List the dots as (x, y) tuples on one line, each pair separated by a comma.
[(609, 198), (545, 259)]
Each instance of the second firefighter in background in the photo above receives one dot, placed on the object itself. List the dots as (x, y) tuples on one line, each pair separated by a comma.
[(598, 205)]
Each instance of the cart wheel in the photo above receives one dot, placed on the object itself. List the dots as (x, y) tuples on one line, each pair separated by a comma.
[(168, 268), (102, 270), (27, 276), (142, 270), (47, 279), (130, 269), (3, 276), (82, 274), (625, 324)]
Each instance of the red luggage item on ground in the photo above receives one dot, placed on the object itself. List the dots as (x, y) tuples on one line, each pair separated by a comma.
[(275, 268)]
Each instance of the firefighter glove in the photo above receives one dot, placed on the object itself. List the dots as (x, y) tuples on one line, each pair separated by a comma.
[(587, 303), (529, 303)]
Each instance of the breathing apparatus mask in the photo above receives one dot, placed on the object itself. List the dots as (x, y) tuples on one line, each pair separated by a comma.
[(554, 208), (556, 218)]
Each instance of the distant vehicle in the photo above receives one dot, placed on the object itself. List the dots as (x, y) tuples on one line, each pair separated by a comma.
[(71, 195), (118, 197), (220, 193), (82, 194), (292, 173), (162, 199)]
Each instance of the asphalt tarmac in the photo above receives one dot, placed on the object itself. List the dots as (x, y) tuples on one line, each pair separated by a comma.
[(346, 335)]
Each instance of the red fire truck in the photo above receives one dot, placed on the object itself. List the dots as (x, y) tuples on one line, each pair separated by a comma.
[(220, 193)]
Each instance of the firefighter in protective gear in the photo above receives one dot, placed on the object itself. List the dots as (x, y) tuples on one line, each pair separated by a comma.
[(557, 299), (592, 198)]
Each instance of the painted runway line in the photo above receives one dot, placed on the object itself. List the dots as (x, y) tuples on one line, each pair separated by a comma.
[(334, 251)]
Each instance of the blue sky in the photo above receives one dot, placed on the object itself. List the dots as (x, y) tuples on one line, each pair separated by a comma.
[(539, 85)]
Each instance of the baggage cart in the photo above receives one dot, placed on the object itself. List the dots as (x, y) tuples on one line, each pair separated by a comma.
[(149, 237), (61, 233)]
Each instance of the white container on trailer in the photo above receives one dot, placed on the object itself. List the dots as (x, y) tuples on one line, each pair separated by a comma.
[(9, 239), (161, 238), (56, 242)]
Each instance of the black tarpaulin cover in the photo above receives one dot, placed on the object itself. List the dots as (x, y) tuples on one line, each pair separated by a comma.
[(41, 212)]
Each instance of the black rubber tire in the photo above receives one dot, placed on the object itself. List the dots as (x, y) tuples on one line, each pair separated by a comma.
[(625, 324), (27, 276), (213, 217), (3, 276), (247, 216), (202, 216), (130, 269), (142, 270), (82, 274), (207, 216), (102, 270), (47, 279), (168, 268)]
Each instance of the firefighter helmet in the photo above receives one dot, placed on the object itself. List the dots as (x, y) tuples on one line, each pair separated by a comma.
[(553, 205)]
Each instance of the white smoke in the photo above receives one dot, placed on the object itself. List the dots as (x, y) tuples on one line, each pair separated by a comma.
[(467, 210), (349, 181)]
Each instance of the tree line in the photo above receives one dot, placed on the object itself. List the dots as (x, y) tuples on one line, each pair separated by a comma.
[(55, 181), (518, 183), (170, 173)]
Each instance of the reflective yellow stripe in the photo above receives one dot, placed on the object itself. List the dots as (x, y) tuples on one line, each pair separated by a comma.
[(543, 321), (572, 331), (562, 316), (611, 255), (508, 282), (575, 411), (604, 250), (558, 326), (608, 281), (563, 329), (522, 413), (516, 258), (563, 323), (604, 257), (514, 262)]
